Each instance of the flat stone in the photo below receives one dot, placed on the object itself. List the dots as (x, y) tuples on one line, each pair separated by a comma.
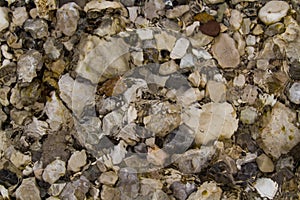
[(108, 178), (54, 171), (273, 11), (177, 11), (235, 19), (110, 193), (145, 34), (180, 48), (76, 189), (239, 81), (20, 15), (216, 91), (214, 1), (28, 190), (4, 22), (199, 40), (248, 115), (224, 50), (264, 163), (38, 28), (77, 160), (294, 93), (167, 68), (280, 135), (4, 90), (17, 158), (266, 187)]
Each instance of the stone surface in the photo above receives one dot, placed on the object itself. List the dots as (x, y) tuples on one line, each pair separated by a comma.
[(177, 11), (273, 11), (216, 91), (28, 190), (38, 28), (77, 160), (224, 50), (294, 93), (236, 19), (4, 18), (266, 187), (54, 171), (264, 163), (108, 178), (180, 48), (280, 135), (67, 18), (248, 115), (208, 190), (20, 15)]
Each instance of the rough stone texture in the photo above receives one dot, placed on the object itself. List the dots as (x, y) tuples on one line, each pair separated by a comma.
[(280, 134), (108, 178), (264, 163), (224, 50), (54, 171), (294, 93), (20, 15), (236, 19), (4, 23), (180, 48), (28, 190), (67, 18), (77, 160), (216, 91), (273, 11), (38, 28)]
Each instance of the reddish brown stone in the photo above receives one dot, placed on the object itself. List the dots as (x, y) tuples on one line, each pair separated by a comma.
[(211, 28)]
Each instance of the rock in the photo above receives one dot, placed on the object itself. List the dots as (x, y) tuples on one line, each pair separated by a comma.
[(266, 187), (280, 135), (77, 160), (152, 8), (67, 18), (52, 48), (182, 191), (201, 54), (4, 192), (108, 178), (236, 19), (294, 93), (149, 186), (195, 78), (20, 15), (110, 193), (128, 183), (167, 68), (248, 115), (264, 163), (76, 189), (165, 41), (28, 190), (180, 48), (258, 30), (157, 156), (119, 152), (28, 64), (187, 61), (239, 81), (213, 1), (4, 18), (194, 160), (211, 28), (250, 40), (145, 34), (225, 52), (177, 11), (216, 91), (17, 158), (38, 28), (54, 171), (216, 120), (56, 188), (45, 7), (4, 90), (199, 40), (275, 29), (207, 191), (273, 11)]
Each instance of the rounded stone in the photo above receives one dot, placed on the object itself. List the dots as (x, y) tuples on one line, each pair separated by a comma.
[(273, 12), (294, 93)]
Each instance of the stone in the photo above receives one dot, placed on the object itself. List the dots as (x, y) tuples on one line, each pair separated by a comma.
[(216, 91), (108, 178), (17, 158), (149, 186), (54, 171), (177, 11), (181, 191), (20, 15), (236, 19), (273, 11), (248, 115), (258, 30), (280, 135), (195, 79), (224, 50), (201, 54), (211, 28), (266, 187), (4, 90), (239, 81), (214, 1), (157, 156), (207, 191), (250, 40), (28, 190), (67, 18), (180, 48), (38, 28), (56, 188), (4, 18), (187, 61), (294, 93), (167, 68), (152, 8), (76, 189), (110, 193), (216, 120), (4, 192), (275, 29), (145, 34), (52, 48), (77, 160), (28, 64), (199, 40), (265, 164)]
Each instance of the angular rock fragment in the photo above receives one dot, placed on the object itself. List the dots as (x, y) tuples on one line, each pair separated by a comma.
[(76, 189), (38, 28), (54, 171), (67, 18), (266, 187), (20, 15), (77, 160), (207, 191), (28, 190), (180, 48), (108, 178)]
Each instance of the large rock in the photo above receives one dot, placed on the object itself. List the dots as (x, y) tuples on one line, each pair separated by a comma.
[(280, 135), (225, 51), (273, 11)]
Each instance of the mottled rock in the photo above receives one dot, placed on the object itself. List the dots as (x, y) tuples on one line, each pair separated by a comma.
[(67, 18), (224, 50), (28, 64), (77, 160), (248, 115), (28, 190), (52, 48), (273, 11), (264, 163), (213, 1), (152, 8), (4, 18), (4, 90), (182, 191), (110, 193), (17, 158), (280, 135), (169, 67), (294, 93), (20, 15), (128, 183), (38, 28), (45, 7), (239, 81), (266, 187), (199, 40), (216, 91), (157, 156), (207, 191), (149, 186), (76, 189), (54, 171), (56, 188), (108, 178), (236, 19), (180, 48)]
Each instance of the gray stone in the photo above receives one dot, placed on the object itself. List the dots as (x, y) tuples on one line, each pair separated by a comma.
[(294, 93), (207, 191), (236, 19), (266, 187), (38, 28), (76, 189), (54, 171), (180, 48)]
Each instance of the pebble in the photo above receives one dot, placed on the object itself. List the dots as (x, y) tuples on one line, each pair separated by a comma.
[(38, 28), (54, 171), (56, 188), (225, 52), (248, 115), (169, 67), (264, 163), (20, 15), (187, 61), (180, 48), (108, 178), (67, 18), (77, 160), (177, 11), (266, 187), (294, 93), (110, 193), (236, 19), (239, 81), (195, 78), (182, 191), (216, 91), (207, 191), (17, 158), (76, 189), (273, 11), (214, 1), (4, 22), (211, 28), (165, 41), (28, 190), (4, 90)]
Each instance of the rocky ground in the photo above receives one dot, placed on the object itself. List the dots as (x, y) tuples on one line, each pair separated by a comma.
[(159, 99)]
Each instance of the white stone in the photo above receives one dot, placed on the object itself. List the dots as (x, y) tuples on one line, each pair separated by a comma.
[(251, 40), (20, 15), (77, 160), (180, 48), (239, 81), (119, 152), (187, 61), (201, 53), (236, 19), (4, 192), (266, 187), (54, 171), (214, 1), (273, 11), (145, 34), (294, 93), (4, 23), (28, 190)]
